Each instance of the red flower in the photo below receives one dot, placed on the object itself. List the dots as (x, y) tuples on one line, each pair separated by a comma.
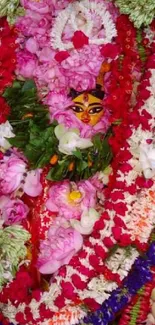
[(108, 242), (91, 303), (68, 290), (119, 222), (120, 208), (125, 240), (60, 301), (85, 271), (110, 50), (79, 39), (94, 260), (4, 110), (45, 312), (61, 56), (117, 195), (99, 250), (117, 231), (36, 294), (78, 283), (20, 318)]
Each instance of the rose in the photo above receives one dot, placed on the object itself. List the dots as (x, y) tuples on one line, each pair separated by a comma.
[(11, 173), (61, 244), (12, 211), (70, 140)]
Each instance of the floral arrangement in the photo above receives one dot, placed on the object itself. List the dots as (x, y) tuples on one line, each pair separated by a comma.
[(77, 166)]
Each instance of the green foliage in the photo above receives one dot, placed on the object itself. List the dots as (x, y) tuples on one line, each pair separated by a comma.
[(25, 105), (11, 9), (141, 12), (12, 251)]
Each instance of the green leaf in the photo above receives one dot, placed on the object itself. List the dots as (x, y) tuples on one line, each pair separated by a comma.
[(58, 172), (97, 142), (29, 84), (78, 154)]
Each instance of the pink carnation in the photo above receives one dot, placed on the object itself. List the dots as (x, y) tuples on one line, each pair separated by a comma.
[(12, 211), (70, 199), (41, 7), (82, 67), (58, 101), (59, 247), (27, 64)]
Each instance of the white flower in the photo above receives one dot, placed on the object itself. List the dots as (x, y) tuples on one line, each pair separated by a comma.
[(147, 159), (86, 224), (5, 132), (70, 140), (104, 176)]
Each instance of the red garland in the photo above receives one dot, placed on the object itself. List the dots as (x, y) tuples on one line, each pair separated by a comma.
[(7, 63), (7, 54)]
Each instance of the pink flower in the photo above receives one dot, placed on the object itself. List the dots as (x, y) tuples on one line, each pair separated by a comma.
[(70, 199), (12, 211), (82, 67), (32, 185), (12, 170), (34, 24), (41, 7), (58, 101), (14, 175), (27, 64), (31, 45), (59, 247)]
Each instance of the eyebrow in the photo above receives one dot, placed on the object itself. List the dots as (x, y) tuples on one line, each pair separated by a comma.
[(95, 104)]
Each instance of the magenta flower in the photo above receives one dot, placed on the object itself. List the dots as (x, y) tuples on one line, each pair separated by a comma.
[(59, 247), (12, 211)]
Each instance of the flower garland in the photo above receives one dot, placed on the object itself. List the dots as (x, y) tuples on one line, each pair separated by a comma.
[(143, 271), (125, 220), (7, 63), (7, 54), (69, 15)]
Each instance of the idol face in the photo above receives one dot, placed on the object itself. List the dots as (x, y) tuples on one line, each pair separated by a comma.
[(88, 108)]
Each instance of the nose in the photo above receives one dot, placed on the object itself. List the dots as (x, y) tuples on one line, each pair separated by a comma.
[(85, 117)]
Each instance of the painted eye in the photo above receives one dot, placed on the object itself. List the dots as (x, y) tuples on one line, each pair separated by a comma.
[(77, 109), (95, 110)]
